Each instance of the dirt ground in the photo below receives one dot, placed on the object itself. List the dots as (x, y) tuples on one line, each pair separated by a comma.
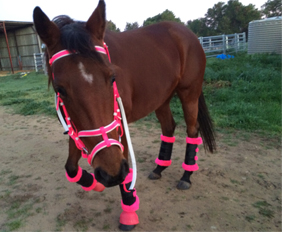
[(236, 189)]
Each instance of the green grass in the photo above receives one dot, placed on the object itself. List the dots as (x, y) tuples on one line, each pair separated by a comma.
[(27, 95), (243, 93), (250, 218), (250, 99), (16, 208), (263, 208)]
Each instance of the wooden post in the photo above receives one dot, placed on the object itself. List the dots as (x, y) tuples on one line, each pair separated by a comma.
[(7, 42)]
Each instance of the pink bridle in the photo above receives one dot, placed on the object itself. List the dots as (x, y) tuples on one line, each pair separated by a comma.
[(102, 131)]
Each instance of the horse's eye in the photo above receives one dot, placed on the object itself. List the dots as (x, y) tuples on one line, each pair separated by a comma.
[(61, 91)]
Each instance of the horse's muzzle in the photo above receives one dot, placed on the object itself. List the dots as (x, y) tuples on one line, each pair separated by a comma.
[(107, 180)]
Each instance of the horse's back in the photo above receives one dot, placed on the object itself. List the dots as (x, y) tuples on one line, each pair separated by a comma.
[(165, 38), (154, 59)]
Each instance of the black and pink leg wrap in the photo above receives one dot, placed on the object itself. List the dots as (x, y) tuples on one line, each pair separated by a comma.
[(191, 157), (164, 158), (129, 202), (86, 180)]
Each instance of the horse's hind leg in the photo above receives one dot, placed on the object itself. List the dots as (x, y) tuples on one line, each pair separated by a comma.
[(189, 100), (167, 122)]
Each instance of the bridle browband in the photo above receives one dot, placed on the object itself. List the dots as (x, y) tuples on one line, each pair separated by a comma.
[(119, 115)]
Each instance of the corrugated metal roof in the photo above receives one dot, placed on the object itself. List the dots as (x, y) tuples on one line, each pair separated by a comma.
[(14, 25), (266, 20), (22, 41), (265, 36)]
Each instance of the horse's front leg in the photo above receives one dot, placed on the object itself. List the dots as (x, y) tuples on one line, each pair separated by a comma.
[(74, 173), (129, 204), (130, 201)]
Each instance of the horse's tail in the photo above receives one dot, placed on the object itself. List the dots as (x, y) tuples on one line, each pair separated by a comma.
[(206, 125)]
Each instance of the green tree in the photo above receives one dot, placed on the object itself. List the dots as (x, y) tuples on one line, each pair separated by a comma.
[(165, 16), (239, 16), (131, 26), (112, 27), (232, 17), (215, 16), (272, 8), (199, 27)]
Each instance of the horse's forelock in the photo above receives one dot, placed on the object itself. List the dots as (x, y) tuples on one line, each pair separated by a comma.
[(62, 20), (75, 37)]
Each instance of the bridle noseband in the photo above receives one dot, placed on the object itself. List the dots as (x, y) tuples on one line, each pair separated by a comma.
[(70, 128)]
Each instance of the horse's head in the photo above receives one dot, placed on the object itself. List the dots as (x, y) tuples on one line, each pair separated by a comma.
[(83, 80)]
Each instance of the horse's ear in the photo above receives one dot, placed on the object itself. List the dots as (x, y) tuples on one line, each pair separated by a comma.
[(46, 29), (96, 24)]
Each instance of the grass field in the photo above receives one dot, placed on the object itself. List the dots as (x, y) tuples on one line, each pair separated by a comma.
[(242, 93)]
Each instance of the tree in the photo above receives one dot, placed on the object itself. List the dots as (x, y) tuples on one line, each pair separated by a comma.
[(214, 17), (232, 17), (272, 8), (240, 16), (198, 26), (112, 27), (165, 16), (131, 26)]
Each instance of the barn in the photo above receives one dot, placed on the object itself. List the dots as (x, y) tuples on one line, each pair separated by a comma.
[(264, 36), (18, 43)]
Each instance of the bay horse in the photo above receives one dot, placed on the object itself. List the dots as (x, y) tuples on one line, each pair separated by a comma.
[(145, 68)]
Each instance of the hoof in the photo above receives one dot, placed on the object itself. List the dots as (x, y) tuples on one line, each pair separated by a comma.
[(126, 227), (128, 220), (183, 185), (154, 176), (99, 187)]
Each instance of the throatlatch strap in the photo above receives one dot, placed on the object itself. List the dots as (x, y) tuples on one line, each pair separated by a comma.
[(191, 154), (164, 158)]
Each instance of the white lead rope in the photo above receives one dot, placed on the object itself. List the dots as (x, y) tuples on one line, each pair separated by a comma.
[(129, 143)]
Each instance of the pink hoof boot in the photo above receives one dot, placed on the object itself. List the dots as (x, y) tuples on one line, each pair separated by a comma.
[(128, 220), (99, 187)]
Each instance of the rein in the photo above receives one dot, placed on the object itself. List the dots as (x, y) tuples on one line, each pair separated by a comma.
[(119, 114)]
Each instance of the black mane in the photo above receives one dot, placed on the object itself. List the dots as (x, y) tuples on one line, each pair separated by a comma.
[(75, 38)]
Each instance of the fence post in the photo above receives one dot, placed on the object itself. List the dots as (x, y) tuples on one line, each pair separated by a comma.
[(44, 63), (224, 44), (244, 40), (236, 41), (35, 62), (201, 40)]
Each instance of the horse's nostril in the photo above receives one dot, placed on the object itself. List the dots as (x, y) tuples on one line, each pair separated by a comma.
[(104, 178), (101, 176)]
